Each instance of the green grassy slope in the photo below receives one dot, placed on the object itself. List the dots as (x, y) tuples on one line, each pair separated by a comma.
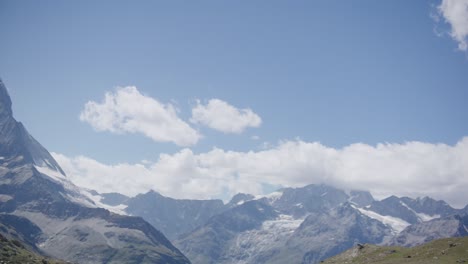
[(12, 251), (447, 250)]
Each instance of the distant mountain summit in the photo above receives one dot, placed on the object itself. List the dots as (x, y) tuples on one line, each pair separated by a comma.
[(173, 217), (296, 225), (50, 215), (293, 225)]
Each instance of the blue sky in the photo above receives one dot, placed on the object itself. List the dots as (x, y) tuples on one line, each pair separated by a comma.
[(334, 72)]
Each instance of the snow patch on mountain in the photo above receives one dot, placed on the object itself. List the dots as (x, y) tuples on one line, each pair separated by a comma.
[(241, 202), (80, 195), (422, 217), (5, 198), (395, 223), (59, 178), (52, 173), (283, 224), (272, 236), (74, 193), (425, 217), (271, 197), (118, 209), (50, 165)]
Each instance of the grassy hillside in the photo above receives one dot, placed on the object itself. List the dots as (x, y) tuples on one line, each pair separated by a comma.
[(12, 251), (448, 250)]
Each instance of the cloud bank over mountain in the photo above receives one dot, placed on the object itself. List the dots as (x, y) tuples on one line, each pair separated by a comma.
[(408, 169), (221, 116), (128, 111)]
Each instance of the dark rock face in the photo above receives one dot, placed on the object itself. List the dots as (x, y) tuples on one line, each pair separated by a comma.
[(311, 198), (392, 206), (113, 199), (49, 213), (173, 217), (420, 233), (309, 224), (245, 217), (361, 198), (207, 244), (411, 210), (429, 206), (326, 234), (21, 228), (239, 199)]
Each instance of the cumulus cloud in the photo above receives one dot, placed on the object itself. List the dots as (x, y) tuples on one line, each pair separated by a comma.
[(455, 13), (128, 111), (410, 169), (219, 115)]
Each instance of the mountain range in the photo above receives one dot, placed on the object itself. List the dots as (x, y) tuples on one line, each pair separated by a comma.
[(43, 210), (302, 225)]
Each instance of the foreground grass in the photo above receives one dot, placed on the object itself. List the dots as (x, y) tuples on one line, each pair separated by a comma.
[(448, 250), (12, 251)]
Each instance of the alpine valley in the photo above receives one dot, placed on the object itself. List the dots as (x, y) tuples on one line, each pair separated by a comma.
[(43, 210)]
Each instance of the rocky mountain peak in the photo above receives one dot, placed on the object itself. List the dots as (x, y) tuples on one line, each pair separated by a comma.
[(5, 102), (361, 198), (240, 198), (59, 219), (17, 146)]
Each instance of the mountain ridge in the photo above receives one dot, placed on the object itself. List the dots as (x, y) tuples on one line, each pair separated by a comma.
[(286, 221), (15, 141)]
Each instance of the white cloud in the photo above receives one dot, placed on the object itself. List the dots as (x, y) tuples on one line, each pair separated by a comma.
[(410, 169), (128, 111), (455, 13), (219, 115)]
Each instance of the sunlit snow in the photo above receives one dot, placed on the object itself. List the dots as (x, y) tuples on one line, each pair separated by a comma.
[(271, 197), (272, 235), (395, 223), (80, 195), (423, 217)]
